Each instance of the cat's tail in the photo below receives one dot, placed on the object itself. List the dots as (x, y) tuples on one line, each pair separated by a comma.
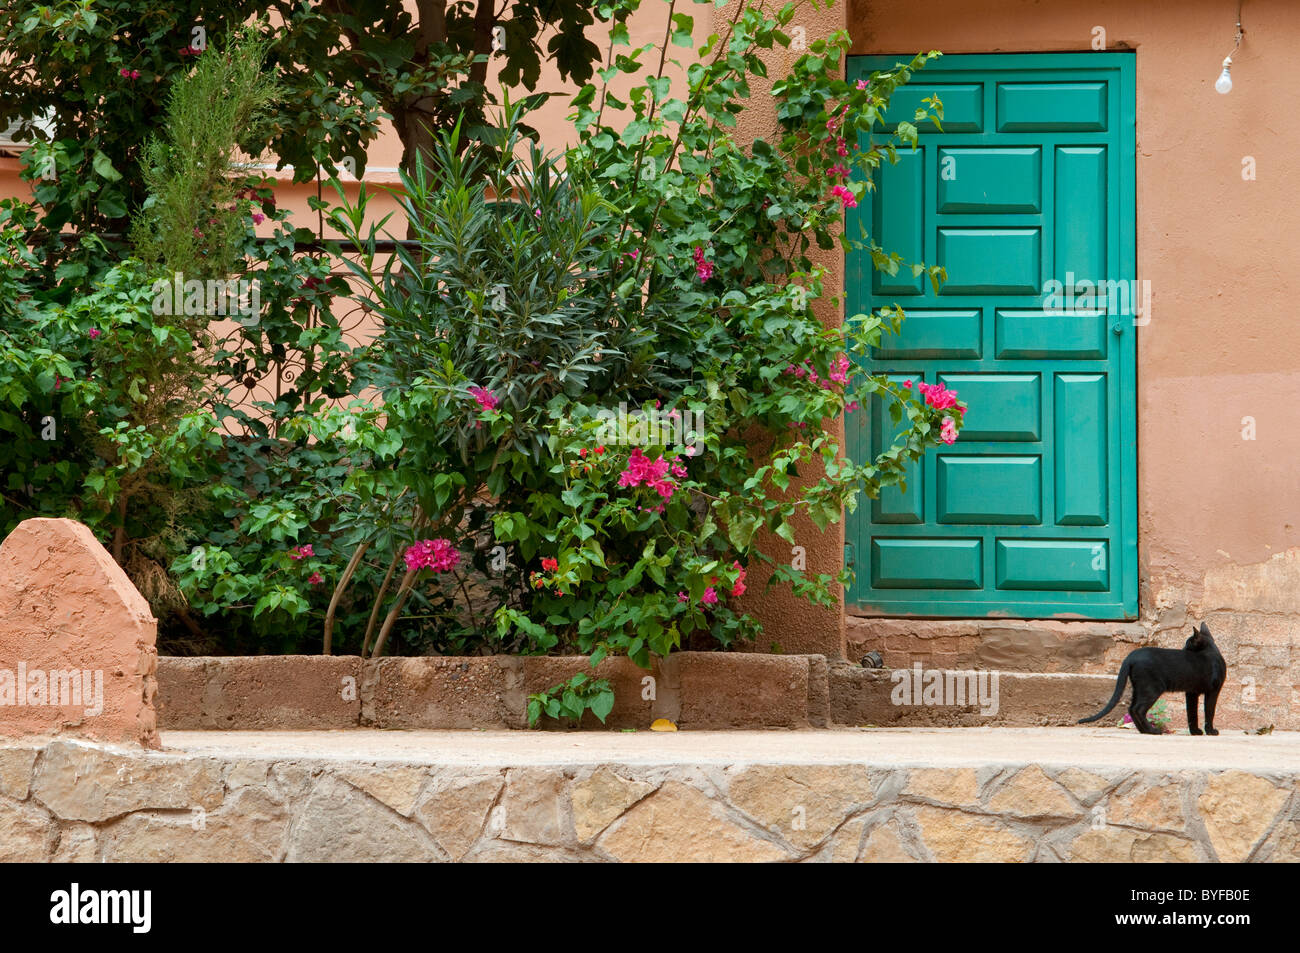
[(1114, 699)]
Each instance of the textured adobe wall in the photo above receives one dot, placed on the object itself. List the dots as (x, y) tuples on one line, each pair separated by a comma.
[(76, 639), (1220, 346)]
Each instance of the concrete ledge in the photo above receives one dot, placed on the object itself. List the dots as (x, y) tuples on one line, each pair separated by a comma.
[(259, 691), (895, 795), (1007, 645), (695, 690), (440, 693), (861, 697)]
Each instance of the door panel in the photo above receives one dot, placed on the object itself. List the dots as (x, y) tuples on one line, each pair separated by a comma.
[(1032, 512)]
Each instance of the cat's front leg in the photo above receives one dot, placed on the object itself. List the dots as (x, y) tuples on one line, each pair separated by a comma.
[(1193, 716), (1211, 699)]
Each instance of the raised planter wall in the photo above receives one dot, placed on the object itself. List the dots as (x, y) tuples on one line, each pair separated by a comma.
[(694, 690)]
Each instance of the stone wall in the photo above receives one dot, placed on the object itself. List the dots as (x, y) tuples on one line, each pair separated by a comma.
[(75, 801)]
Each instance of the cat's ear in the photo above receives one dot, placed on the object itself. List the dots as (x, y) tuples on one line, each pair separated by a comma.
[(1205, 630)]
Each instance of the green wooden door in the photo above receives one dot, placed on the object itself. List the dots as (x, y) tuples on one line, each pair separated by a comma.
[(1031, 513)]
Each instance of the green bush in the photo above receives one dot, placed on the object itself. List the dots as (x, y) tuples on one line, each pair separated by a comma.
[(490, 502)]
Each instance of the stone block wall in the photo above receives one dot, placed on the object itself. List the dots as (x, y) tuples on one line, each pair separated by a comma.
[(71, 801)]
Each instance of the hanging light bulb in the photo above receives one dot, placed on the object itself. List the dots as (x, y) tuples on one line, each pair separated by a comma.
[(1224, 83)]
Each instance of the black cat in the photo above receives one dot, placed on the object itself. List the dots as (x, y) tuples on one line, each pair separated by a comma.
[(1196, 669)]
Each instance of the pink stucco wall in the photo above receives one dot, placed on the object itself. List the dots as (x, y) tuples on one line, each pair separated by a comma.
[(1217, 248)]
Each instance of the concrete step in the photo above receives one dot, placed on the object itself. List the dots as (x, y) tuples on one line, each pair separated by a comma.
[(916, 696), (1005, 645)]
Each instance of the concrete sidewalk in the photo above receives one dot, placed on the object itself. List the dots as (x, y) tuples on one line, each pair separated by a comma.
[(875, 747)]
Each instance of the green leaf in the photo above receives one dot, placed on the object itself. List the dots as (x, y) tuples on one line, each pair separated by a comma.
[(602, 705), (103, 167)]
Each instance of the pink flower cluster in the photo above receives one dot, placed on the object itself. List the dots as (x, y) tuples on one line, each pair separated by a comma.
[(302, 552), (129, 73), (486, 399), (703, 267), (739, 588), (833, 126), (948, 432), (94, 333), (436, 554), (642, 471), (839, 374), (710, 595), (845, 195), (938, 396)]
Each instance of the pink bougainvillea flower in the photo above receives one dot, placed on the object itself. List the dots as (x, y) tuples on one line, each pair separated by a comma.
[(486, 399), (938, 396), (710, 597), (679, 471), (550, 565), (845, 195), (436, 554), (703, 267), (315, 579), (948, 432), (838, 172), (642, 471), (258, 218), (907, 384), (94, 333), (861, 84), (840, 369), (537, 213), (302, 552), (739, 588), (840, 149)]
